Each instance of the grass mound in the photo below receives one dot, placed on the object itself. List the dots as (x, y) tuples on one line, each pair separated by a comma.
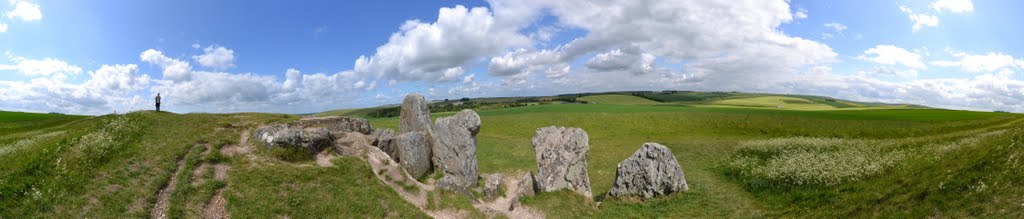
[(775, 102), (617, 99)]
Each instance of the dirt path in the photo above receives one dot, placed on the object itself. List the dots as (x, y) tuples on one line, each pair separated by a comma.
[(392, 174), (501, 205), (216, 207), (160, 209), (324, 158)]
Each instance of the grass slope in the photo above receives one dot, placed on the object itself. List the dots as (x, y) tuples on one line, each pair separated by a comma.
[(739, 162), (775, 102), (112, 167), (702, 138), (617, 99)]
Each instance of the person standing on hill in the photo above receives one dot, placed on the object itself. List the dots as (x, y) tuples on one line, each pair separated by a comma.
[(158, 102)]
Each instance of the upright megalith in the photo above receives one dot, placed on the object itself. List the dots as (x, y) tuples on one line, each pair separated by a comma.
[(415, 115), (651, 171), (454, 148), (414, 153), (414, 136), (562, 159)]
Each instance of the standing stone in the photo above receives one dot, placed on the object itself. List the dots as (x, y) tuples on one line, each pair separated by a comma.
[(414, 153), (651, 171), (454, 148), (387, 142), (562, 159), (415, 115)]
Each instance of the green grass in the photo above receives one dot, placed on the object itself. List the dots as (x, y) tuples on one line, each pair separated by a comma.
[(689, 96), (739, 162), (617, 99), (702, 138), (7, 117), (113, 166), (348, 189), (775, 102)]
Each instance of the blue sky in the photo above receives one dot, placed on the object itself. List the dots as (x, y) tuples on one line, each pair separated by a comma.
[(309, 56)]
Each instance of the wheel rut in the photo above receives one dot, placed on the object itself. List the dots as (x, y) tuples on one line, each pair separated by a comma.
[(164, 196)]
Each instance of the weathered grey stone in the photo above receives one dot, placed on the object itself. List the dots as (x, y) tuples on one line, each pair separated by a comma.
[(351, 143), (562, 159), (311, 134), (311, 139), (454, 148), (651, 171), (376, 135), (525, 187), (336, 124), (386, 140), (414, 150), (492, 185), (415, 115)]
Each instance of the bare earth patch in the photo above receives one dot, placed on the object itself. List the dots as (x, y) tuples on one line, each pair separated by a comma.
[(500, 205), (160, 209), (216, 207), (324, 158), (220, 171), (197, 174), (243, 148), (392, 174)]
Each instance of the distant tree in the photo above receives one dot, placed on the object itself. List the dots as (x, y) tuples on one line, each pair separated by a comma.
[(445, 100), (464, 99)]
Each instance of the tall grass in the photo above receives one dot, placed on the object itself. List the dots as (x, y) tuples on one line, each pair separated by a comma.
[(44, 168), (813, 161), (799, 161)]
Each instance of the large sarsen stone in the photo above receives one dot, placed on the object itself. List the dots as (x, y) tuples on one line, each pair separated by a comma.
[(651, 171), (415, 115), (562, 159), (415, 153), (310, 139), (454, 148)]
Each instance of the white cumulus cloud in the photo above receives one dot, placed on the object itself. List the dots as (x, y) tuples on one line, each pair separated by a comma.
[(174, 69), (117, 79), (717, 41), (892, 55), (40, 67), (216, 57), (981, 63), (25, 10), (439, 51), (920, 19), (955, 6)]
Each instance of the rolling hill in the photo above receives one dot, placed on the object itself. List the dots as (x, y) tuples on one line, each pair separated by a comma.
[(741, 154)]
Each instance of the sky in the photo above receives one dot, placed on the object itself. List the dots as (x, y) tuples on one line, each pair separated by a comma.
[(87, 57)]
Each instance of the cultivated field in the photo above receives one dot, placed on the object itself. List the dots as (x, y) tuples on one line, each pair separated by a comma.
[(739, 161)]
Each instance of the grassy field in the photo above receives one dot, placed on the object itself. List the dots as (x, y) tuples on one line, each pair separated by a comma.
[(112, 167), (804, 103), (705, 139), (738, 161), (617, 99), (776, 102)]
